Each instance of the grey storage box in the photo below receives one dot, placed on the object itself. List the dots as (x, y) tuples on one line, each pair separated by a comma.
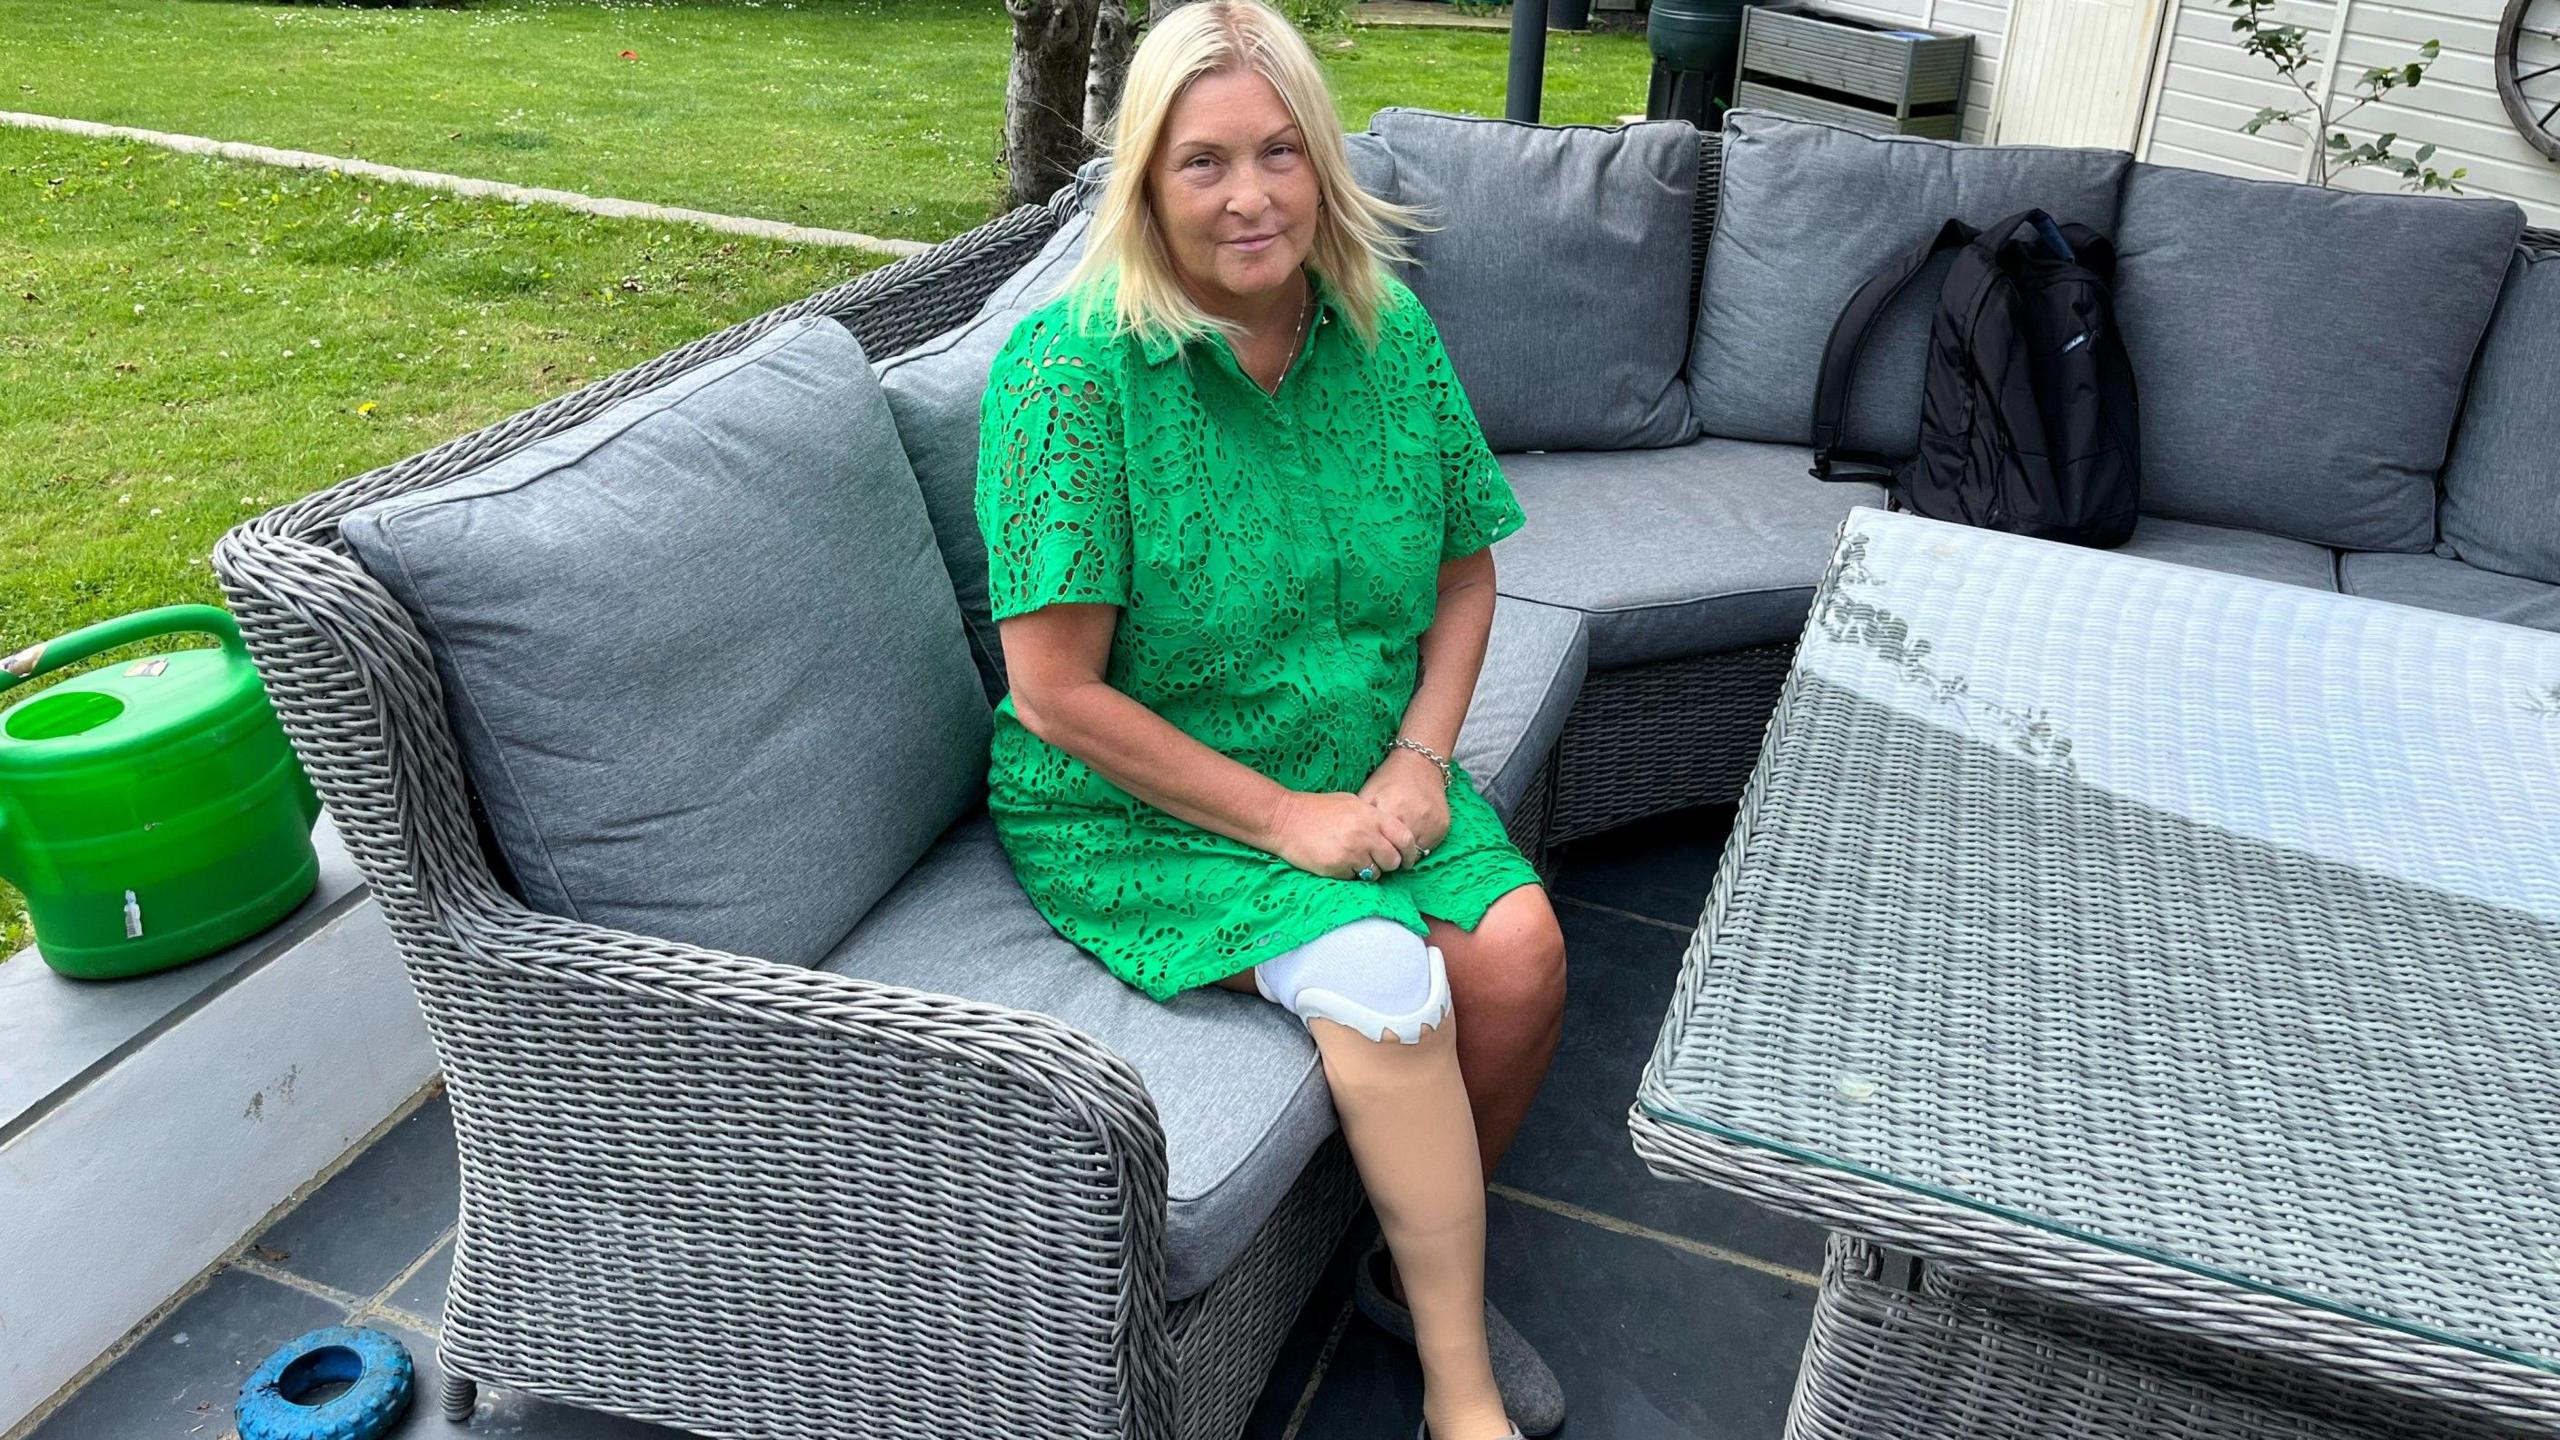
[(1851, 73)]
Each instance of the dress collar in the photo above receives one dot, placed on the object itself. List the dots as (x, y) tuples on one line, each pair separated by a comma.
[(1329, 309)]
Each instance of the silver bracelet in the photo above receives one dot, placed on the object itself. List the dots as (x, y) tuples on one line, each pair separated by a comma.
[(1426, 752)]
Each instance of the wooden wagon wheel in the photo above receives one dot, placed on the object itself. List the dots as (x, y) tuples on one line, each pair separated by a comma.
[(2529, 71)]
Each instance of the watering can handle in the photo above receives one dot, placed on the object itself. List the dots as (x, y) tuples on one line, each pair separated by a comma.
[(106, 635)]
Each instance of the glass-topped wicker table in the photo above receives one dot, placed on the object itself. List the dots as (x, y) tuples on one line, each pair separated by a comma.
[(2171, 962)]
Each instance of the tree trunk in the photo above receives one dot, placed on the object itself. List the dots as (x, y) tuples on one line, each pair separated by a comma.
[(1044, 99), (1114, 37)]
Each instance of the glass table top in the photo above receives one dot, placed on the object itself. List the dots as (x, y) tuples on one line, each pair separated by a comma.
[(2191, 915)]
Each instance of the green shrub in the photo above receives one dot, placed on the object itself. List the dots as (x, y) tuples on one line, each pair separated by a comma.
[(1317, 16)]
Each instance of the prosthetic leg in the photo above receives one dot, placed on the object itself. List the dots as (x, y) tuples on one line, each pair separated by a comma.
[(1388, 1036)]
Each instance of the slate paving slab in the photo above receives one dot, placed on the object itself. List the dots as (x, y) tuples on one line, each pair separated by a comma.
[(1649, 1342), (179, 1381), (376, 1217), (1658, 867), (421, 1296)]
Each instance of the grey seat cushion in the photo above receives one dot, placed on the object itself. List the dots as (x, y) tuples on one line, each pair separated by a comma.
[(1535, 659), (2502, 486), (2300, 351), (1809, 212), (1560, 278), (1711, 546), (700, 651), (1236, 1079), (935, 389), (2234, 552), (2433, 582)]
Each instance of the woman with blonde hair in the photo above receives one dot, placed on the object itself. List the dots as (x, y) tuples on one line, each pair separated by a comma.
[(1237, 513)]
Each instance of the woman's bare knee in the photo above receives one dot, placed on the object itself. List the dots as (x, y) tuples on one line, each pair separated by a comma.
[(1512, 965)]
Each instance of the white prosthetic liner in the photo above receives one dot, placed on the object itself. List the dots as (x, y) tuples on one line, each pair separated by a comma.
[(1372, 975)]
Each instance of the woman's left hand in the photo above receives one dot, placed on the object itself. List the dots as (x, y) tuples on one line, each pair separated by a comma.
[(1408, 787)]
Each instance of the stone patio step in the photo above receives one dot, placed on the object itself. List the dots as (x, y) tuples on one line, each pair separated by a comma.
[(145, 1124)]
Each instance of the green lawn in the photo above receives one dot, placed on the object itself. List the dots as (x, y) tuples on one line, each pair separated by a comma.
[(192, 341), (882, 116)]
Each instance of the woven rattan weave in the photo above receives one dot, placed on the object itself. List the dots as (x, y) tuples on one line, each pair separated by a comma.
[(1965, 1362), (1653, 738), (2170, 945), (2246, 1377)]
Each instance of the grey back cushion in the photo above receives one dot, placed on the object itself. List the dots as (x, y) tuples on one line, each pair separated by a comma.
[(700, 652), (934, 390), (1560, 278), (2502, 486), (1807, 214), (2300, 352)]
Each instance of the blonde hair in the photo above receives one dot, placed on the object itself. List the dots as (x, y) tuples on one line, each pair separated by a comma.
[(1356, 232)]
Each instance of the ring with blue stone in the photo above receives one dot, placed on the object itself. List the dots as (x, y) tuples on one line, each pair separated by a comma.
[(1368, 872)]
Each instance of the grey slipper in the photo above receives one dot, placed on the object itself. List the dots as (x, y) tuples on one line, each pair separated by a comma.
[(1530, 1394)]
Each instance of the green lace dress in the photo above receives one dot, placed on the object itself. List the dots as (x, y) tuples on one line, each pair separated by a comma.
[(1275, 558)]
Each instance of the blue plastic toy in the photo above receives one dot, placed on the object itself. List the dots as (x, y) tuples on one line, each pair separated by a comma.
[(375, 1369)]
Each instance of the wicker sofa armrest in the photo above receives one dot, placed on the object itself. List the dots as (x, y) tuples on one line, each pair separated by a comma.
[(705, 1189), (906, 1212)]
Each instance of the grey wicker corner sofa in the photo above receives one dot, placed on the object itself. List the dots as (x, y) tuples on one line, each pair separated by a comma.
[(656, 716)]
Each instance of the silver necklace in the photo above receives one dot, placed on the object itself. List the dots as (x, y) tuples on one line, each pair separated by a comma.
[(1305, 309)]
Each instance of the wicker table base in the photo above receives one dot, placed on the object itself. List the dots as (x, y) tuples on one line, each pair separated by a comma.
[(1960, 1358), (1990, 1320)]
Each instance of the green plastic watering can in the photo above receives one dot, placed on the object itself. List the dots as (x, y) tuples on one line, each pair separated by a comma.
[(150, 811)]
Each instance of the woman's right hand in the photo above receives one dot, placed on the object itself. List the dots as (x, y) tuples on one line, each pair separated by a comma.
[(1334, 834)]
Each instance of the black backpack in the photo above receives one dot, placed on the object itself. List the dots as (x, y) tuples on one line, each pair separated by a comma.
[(2028, 422)]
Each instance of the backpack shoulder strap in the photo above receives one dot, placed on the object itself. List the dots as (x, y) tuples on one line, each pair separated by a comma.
[(1849, 339), (2096, 253)]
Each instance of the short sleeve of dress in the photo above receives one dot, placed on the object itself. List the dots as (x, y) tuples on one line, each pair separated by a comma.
[(1053, 490), (1481, 508)]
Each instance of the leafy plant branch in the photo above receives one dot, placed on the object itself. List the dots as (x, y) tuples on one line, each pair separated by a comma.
[(2287, 49)]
